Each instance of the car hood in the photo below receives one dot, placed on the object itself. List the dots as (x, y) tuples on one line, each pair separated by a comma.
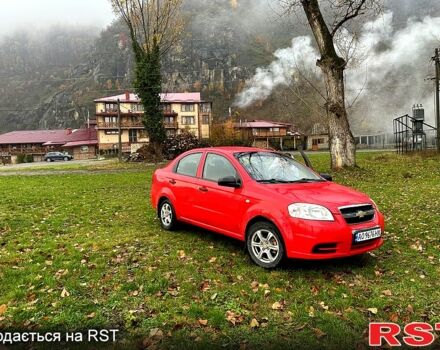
[(327, 194)]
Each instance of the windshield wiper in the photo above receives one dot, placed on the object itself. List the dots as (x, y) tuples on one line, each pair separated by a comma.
[(273, 181), (306, 180)]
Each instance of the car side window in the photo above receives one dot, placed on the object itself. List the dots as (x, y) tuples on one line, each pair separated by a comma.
[(217, 167), (188, 165)]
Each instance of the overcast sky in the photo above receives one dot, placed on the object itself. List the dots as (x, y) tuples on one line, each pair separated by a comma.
[(16, 14)]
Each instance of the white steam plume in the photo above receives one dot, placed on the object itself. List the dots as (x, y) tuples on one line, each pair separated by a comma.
[(382, 56), (279, 72)]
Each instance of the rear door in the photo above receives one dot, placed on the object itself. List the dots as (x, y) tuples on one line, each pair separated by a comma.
[(183, 182), (218, 206)]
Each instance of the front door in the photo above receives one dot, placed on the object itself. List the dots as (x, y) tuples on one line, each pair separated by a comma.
[(219, 207)]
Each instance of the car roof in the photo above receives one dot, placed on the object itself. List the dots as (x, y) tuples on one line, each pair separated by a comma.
[(231, 149)]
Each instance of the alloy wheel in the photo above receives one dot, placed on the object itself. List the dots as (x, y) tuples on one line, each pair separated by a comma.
[(166, 214), (265, 246)]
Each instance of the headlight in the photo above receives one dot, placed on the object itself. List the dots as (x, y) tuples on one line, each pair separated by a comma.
[(310, 212)]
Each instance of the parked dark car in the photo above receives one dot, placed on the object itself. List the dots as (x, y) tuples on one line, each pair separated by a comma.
[(54, 156)]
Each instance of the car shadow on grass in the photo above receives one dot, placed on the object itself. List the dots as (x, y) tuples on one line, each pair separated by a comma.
[(238, 247)]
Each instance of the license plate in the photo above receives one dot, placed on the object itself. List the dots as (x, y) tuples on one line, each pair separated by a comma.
[(366, 235)]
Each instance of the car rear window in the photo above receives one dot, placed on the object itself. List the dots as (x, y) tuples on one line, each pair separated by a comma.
[(188, 165)]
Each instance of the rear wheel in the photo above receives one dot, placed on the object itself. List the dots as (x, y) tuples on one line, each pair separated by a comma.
[(48, 160), (66, 159), (265, 245), (167, 215)]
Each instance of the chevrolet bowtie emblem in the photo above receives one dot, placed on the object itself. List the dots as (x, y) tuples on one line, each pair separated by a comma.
[(360, 214)]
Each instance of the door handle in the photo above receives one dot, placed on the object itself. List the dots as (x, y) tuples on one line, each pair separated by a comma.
[(172, 182), (203, 189)]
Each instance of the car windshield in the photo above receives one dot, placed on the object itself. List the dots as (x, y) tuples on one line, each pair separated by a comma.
[(270, 167)]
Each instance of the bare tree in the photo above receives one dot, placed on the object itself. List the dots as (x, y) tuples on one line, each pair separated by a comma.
[(151, 20), (325, 26), (154, 26)]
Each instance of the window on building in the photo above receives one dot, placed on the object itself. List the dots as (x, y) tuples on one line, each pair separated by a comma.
[(205, 119), (111, 132), (187, 108), (143, 134), (166, 108), (188, 120), (137, 107), (132, 135), (188, 165), (111, 107), (318, 141), (169, 120), (110, 119), (205, 108), (275, 129)]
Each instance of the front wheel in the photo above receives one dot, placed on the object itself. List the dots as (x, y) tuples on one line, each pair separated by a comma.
[(66, 159), (265, 245), (48, 160), (167, 215)]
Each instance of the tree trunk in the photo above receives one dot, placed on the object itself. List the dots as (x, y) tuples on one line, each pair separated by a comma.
[(341, 140), (342, 146)]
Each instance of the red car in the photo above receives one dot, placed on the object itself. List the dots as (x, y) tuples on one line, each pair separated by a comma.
[(278, 206)]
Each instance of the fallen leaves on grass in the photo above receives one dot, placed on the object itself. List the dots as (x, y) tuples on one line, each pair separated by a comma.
[(181, 254), (387, 293), (373, 310), (319, 333), (204, 286), (3, 309), (64, 293), (254, 323), (278, 305), (233, 317), (203, 322)]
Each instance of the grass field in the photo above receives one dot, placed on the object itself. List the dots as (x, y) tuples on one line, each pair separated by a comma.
[(80, 251)]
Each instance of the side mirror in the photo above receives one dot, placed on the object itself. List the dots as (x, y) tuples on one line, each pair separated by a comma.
[(229, 181), (327, 177)]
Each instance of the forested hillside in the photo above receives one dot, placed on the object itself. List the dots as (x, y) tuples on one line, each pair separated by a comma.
[(50, 78)]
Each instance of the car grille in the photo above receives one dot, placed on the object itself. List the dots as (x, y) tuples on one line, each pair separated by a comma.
[(357, 213)]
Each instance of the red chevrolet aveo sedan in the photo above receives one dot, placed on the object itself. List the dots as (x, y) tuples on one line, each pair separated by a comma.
[(278, 206)]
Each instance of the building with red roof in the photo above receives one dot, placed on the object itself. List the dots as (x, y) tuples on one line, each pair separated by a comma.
[(264, 133), (81, 143), (182, 111)]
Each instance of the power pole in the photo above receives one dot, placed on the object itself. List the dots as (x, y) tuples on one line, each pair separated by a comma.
[(119, 132), (436, 59)]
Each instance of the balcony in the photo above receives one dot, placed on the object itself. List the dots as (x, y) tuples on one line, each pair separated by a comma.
[(114, 112), (124, 125), (170, 125)]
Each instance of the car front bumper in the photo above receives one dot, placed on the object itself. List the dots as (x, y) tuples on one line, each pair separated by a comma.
[(329, 239)]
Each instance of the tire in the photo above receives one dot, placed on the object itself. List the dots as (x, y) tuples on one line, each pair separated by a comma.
[(261, 236), (66, 159), (167, 215), (48, 160)]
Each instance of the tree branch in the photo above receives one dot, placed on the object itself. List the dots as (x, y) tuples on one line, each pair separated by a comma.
[(350, 14)]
